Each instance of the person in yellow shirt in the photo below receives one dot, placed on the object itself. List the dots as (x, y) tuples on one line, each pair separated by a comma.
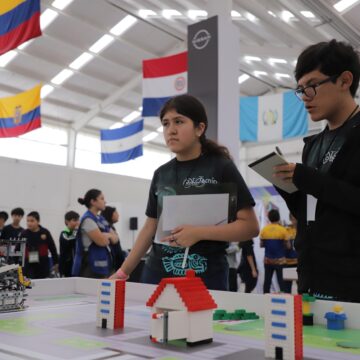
[(274, 238)]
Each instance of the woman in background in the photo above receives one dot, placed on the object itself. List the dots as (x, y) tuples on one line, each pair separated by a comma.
[(93, 257), (111, 215)]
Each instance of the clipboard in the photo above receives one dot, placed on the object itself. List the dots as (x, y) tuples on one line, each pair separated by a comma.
[(265, 168)]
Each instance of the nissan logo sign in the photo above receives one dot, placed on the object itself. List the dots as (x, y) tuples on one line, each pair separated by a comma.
[(201, 39)]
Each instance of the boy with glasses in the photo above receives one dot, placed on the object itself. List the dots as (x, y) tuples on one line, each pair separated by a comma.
[(327, 203)]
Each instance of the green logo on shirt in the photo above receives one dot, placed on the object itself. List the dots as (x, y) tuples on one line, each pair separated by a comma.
[(194, 261)]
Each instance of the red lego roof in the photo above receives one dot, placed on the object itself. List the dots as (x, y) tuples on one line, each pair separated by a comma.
[(191, 289)]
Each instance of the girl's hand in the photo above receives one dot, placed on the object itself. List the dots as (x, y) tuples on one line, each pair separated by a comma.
[(183, 236)]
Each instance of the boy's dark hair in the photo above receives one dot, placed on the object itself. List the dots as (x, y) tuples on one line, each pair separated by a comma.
[(35, 215), (18, 211), (192, 108), (330, 58), (72, 215), (91, 194), (4, 215), (274, 215)]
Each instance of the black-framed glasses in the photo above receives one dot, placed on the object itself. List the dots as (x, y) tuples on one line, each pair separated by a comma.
[(310, 90)]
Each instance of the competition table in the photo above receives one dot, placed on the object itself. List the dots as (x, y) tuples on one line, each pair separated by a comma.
[(60, 323)]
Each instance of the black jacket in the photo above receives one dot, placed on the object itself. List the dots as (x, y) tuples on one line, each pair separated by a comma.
[(329, 247)]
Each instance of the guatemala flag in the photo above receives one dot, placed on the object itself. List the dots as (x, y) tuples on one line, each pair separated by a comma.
[(163, 78), (123, 144), (272, 117)]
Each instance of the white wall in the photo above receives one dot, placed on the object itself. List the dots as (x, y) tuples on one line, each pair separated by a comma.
[(52, 190)]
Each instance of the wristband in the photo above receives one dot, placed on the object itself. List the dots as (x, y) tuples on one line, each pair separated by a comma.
[(121, 275)]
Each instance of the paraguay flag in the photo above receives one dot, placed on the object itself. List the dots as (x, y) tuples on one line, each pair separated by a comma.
[(272, 117), (123, 144), (19, 22), (20, 114), (163, 78)]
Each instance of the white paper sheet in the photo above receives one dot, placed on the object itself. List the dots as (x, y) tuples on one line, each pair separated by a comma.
[(198, 210)]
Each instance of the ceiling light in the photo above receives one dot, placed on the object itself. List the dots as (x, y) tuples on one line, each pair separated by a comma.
[(248, 58), (144, 13), (24, 45), (273, 61), (251, 17), (169, 13), (102, 43), (344, 4), (235, 14), (46, 90), (132, 116), (7, 57), (258, 73), (47, 17), (279, 75), (307, 14), (287, 15), (150, 136), (62, 76), (242, 78), (127, 22), (80, 61), (117, 125), (271, 13), (61, 4), (160, 129), (194, 14)]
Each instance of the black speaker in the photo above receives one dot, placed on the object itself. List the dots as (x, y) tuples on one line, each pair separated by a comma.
[(133, 223)]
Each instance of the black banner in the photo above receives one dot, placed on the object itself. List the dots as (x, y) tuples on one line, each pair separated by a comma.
[(203, 69)]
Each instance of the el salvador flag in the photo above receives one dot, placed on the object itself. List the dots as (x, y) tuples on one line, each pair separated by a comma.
[(163, 78), (272, 117), (123, 144)]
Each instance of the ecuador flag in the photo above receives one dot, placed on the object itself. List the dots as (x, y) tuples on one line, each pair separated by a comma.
[(20, 114), (19, 22)]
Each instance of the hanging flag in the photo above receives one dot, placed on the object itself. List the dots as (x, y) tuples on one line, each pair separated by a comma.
[(123, 144), (20, 114), (19, 22), (272, 117), (163, 78)]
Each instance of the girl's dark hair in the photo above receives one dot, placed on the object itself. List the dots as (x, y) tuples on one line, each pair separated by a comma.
[(92, 194), (35, 215), (107, 214), (330, 58), (192, 108)]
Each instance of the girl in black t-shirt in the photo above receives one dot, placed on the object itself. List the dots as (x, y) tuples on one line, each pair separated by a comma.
[(201, 166)]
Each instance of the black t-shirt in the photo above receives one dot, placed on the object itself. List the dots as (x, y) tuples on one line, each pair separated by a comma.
[(204, 175), (327, 145), (10, 232)]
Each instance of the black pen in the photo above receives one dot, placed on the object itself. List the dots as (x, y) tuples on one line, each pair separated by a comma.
[(278, 150)]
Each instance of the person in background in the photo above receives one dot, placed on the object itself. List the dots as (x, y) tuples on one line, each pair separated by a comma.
[(3, 219), (67, 243), (14, 230), (231, 253), (291, 254), (326, 204), (38, 244), (247, 269), (93, 257), (199, 165), (274, 238), (111, 215)]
